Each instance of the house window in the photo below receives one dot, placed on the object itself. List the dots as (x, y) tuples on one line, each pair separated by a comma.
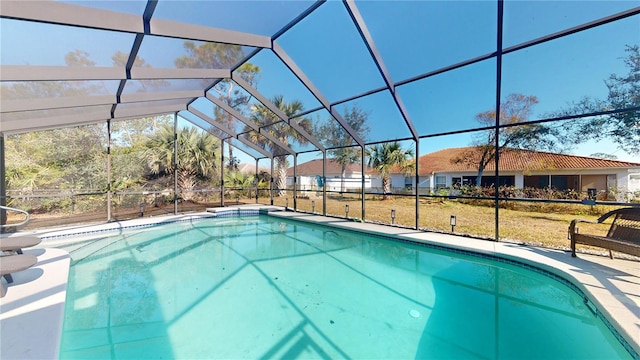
[(456, 182), (564, 182), (441, 182), (490, 181), (408, 183), (469, 180), (536, 181)]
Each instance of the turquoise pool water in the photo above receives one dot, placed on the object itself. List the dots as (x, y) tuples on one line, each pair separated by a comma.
[(263, 287)]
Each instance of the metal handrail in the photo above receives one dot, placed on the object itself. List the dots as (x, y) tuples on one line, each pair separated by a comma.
[(26, 214)]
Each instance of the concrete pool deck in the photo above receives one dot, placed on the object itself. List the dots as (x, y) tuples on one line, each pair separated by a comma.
[(31, 313)]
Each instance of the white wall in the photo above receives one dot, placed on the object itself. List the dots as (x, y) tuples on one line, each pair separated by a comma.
[(332, 183), (629, 182)]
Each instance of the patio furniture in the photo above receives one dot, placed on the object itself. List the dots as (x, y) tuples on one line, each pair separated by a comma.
[(10, 264), (12, 245), (623, 235)]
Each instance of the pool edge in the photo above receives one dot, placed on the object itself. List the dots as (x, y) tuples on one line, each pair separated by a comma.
[(575, 270)]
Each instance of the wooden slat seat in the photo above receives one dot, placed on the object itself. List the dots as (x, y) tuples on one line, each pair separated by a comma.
[(623, 235)]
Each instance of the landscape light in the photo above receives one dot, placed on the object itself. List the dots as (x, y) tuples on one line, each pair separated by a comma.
[(346, 210), (452, 222), (393, 216)]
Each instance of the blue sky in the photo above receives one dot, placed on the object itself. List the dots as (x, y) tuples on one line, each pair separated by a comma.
[(413, 37), (557, 73)]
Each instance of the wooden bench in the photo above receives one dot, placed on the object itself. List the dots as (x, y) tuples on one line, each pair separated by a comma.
[(623, 235)]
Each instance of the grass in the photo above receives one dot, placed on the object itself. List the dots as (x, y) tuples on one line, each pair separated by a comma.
[(540, 224), (532, 223)]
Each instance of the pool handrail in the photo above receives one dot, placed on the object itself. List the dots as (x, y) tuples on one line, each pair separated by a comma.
[(26, 214)]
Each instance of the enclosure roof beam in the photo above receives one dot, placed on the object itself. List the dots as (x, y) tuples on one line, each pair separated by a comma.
[(266, 102), (89, 73), (60, 73), (76, 15), (51, 122), (63, 102), (150, 110), (248, 122), (360, 24), (227, 130), (284, 57)]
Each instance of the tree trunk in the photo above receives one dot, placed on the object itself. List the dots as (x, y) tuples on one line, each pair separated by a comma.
[(231, 159), (386, 188), (280, 180), (343, 173), (479, 177)]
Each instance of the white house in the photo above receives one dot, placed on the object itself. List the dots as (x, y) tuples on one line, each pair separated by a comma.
[(534, 169), (448, 168), (309, 176)]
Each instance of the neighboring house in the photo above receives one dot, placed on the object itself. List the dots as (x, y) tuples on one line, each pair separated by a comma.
[(309, 176), (527, 168), (449, 168)]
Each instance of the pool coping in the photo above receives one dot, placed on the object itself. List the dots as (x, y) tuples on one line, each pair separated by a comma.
[(613, 286), (32, 311)]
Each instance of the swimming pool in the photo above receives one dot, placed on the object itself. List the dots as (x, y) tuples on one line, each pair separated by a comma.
[(265, 287)]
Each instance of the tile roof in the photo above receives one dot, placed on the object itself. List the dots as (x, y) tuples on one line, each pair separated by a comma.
[(463, 159)]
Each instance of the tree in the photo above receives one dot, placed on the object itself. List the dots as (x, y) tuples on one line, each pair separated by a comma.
[(197, 156), (385, 157), (280, 130), (222, 56), (334, 136), (513, 133), (622, 127), (601, 155), (239, 180)]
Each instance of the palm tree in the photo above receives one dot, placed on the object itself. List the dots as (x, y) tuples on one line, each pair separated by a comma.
[(239, 180), (280, 130), (198, 153), (385, 157), (158, 151)]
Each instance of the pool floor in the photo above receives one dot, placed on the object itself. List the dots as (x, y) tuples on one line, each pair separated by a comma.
[(246, 288)]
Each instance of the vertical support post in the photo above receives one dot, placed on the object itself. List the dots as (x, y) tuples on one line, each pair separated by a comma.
[(497, 124), (175, 163), (295, 182), (255, 179), (271, 182), (3, 185), (108, 169), (324, 183), (222, 166), (362, 186), (417, 183)]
